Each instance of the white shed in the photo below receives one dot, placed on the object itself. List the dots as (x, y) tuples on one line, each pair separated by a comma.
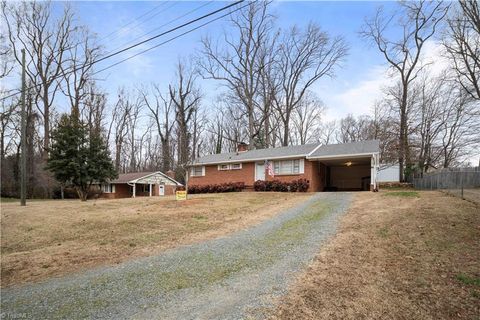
[(389, 173)]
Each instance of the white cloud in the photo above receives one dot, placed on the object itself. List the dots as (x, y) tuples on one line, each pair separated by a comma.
[(359, 98)]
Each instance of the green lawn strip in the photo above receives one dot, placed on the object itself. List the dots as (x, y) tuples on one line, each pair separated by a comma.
[(475, 281), (404, 194)]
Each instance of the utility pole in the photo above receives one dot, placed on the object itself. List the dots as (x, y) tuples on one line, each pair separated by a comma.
[(23, 158)]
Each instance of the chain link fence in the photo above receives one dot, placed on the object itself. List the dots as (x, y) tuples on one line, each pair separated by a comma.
[(461, 182)]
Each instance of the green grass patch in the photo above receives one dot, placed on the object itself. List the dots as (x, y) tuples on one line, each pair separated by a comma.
[(383, 232), (403, 194), (475, 281)]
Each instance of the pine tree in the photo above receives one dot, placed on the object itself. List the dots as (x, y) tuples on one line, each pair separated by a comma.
[(78, 158)]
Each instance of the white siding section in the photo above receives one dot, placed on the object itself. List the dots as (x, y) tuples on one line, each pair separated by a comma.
[(389, 174)]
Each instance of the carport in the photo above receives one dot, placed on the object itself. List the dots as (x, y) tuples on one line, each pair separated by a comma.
[(347, 167)]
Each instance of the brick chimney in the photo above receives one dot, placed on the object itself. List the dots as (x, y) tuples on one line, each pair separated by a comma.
[(171, 174), (242, 147)]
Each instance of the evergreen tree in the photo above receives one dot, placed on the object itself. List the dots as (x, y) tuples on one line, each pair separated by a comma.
[(79, 158)]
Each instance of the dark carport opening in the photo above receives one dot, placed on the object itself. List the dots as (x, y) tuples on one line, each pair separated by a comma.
[(347, 174)]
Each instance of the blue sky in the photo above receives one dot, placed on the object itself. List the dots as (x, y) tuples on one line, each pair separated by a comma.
[(353, 90)]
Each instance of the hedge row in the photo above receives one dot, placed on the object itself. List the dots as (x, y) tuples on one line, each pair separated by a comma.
[(300, 185), (216, 188)]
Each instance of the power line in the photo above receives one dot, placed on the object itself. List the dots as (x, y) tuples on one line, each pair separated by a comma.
[(132, 21), (142, 42), (169, 22), (170, 40), (146, 20)]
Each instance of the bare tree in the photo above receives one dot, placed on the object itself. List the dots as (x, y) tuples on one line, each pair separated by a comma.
[(419, 22), (307, 119), (30, 25), (305, 57), (239, 61), (460, 121), (132, 126), (185, 96), (327, 132), (162, 109), (462, 44), (94, 108), (118, 124), (76, 69)]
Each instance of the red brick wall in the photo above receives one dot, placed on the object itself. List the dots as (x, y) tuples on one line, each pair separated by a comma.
[(312, 172), (123, 191), (215, 176)]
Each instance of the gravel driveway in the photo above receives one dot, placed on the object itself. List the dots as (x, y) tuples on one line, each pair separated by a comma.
[(227, 278)]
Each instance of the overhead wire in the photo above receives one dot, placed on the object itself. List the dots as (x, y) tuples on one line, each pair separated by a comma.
[(144, 21), (168, 23), (150, 39), (169, 40)]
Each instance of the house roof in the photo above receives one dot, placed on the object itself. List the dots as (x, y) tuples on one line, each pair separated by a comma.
[(311, 150), (257, 154), (346, 149), (134, 176)]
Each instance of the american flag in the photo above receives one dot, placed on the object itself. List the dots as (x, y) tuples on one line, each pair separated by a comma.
[(269, 168)]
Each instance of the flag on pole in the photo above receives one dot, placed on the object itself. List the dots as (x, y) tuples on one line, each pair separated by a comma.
[(269, 168)]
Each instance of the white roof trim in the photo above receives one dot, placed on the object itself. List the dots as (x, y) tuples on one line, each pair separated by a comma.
[(343, 156), (249, 160), (315, 149), (154, 173)]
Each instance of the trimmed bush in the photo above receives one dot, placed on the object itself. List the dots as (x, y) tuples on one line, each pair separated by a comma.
[(217, 188), (300, 185)]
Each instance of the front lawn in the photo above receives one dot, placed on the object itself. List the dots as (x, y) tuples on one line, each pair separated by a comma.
[(49, 238)]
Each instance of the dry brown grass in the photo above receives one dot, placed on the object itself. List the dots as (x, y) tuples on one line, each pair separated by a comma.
[(50, 238), (395, 257)]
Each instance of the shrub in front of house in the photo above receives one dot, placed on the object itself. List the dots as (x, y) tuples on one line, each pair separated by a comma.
[(217, 188), (300, 185)]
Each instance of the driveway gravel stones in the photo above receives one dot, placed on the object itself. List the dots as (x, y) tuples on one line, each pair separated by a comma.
[(232, 277)]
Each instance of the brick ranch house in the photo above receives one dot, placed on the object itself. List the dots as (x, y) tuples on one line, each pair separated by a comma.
[(337, 167), (139, 184)]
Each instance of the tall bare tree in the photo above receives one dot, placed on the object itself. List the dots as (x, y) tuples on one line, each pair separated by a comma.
[(185, 96), (239, 61), (45, 38), (162, 109), (305, 57), (118, 124), (77, 67), (462, 44), (307, 119), (418, 22)]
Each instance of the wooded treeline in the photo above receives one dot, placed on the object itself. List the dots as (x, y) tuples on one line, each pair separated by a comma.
[(266, 77)]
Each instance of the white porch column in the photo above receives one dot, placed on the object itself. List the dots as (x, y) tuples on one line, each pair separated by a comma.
[(150, 189), (134, 190)]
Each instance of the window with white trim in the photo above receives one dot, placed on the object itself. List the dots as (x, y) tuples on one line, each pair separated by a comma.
[(198, 171), (108, 188), (287, 166), (233, 166), (236, 166), (223, 167)]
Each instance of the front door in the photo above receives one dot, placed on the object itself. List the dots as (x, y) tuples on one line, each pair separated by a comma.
[(260, 171), (161, 190)]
